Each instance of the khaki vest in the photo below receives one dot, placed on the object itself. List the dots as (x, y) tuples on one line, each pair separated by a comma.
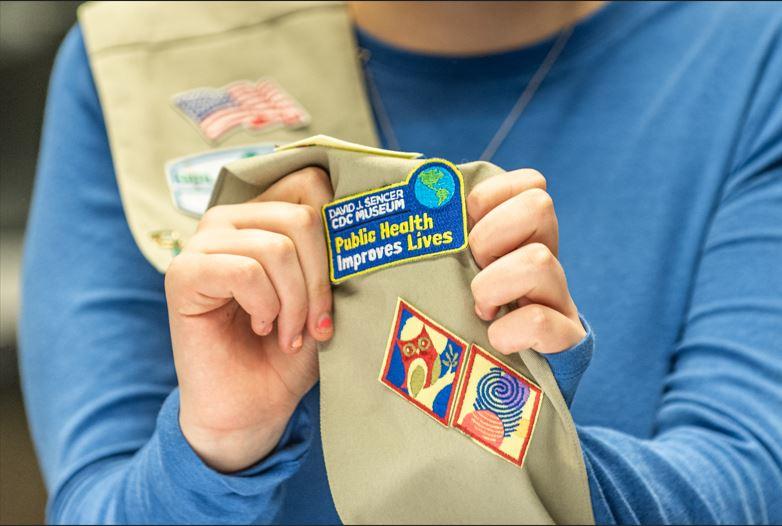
[(386, 460)]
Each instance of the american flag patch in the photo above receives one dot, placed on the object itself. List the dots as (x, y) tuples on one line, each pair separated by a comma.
[(253, 106)]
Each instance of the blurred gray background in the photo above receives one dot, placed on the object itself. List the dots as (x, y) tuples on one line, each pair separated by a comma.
[(30, 33)]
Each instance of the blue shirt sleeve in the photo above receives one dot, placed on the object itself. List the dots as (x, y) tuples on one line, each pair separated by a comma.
[(569, 366), (715, 455), (95, 352), (97, 367)]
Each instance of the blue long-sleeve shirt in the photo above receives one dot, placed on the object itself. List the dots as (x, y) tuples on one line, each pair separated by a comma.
[(660, 132)]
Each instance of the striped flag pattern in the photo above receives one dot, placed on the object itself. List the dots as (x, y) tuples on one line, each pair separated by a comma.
[(253, 105)]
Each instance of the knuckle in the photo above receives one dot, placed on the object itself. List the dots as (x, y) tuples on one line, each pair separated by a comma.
[(476, 288), (280, 247), (540, 256), (313, 175), (537, 319), (305, 216), (542, 202), (476, 201), (475, 240), (497, 337), (481, 292), (246, 270), (212, 215), (536, 178), (197, 243)]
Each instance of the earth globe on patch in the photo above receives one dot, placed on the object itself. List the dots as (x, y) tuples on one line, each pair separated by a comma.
[(434, 187)]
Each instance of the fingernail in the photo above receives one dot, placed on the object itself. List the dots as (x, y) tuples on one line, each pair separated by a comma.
[(265, 329), (478, 312), (297, 342), (325, 324)]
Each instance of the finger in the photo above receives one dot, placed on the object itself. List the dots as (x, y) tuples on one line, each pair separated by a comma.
[(535, 327), (303, 225), (524, 218), (530, 272), (205, 282), (308, 186), (279, 258), (311, 186), (495, 190)]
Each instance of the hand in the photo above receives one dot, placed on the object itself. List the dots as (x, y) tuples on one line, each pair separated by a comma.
[(248, 298), (514, 240)]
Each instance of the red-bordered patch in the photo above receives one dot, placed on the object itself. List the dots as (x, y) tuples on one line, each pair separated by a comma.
[(423, 362), (496, 406)]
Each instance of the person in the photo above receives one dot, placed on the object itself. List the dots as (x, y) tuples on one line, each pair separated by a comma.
[(656, 136)]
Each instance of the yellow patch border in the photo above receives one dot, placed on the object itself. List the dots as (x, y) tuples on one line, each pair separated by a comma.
[(404, 182)]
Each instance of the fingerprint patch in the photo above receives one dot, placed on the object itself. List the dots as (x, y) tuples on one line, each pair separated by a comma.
[(496, 406), (461, 386)]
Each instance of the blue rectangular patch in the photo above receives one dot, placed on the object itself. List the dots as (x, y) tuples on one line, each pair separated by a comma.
[(423, 216)]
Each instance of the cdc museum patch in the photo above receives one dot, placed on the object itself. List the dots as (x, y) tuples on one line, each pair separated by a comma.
[(423, 216)]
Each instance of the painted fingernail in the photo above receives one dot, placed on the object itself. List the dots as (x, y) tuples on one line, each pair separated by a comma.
[(325, 323), (297, 343)]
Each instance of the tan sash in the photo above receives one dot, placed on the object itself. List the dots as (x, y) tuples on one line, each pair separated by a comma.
[(144, 53), (386, 461)]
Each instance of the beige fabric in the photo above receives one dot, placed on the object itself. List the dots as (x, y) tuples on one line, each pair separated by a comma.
[(143, 53), (388, 462)]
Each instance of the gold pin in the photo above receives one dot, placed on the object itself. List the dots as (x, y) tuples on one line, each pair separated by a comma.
[(168, 239)]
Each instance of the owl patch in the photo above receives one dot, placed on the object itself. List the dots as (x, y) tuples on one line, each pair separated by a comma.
[(465, 388), (423, 362)]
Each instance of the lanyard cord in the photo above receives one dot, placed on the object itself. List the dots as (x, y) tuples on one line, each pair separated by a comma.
[(384, 121)]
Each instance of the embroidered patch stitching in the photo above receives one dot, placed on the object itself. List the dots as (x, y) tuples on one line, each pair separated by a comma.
[(505, 405), (252, 106), (420, 359), (356, 224)]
